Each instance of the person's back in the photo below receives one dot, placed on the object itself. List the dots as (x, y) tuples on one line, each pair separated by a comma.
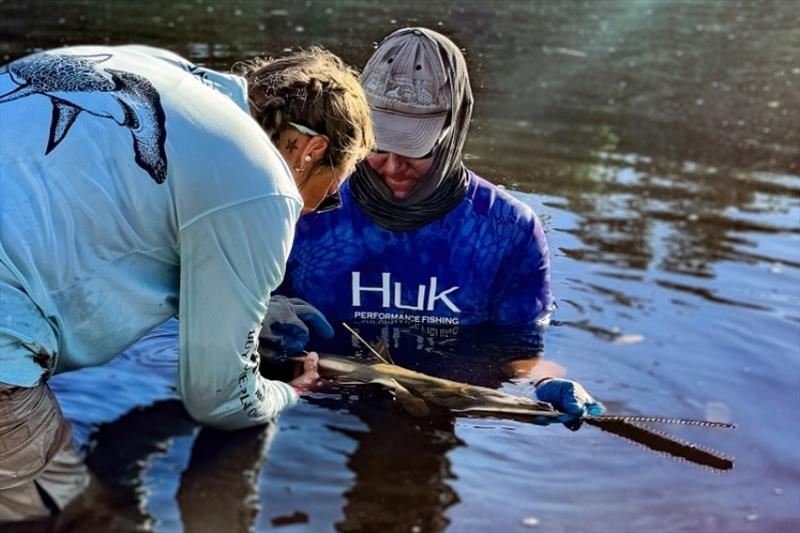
[(136, 185), (107, 154)]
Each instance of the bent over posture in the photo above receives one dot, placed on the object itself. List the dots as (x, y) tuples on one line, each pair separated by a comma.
[(136, 186)]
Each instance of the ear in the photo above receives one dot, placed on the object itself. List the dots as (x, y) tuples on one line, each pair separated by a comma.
[(316, 147)]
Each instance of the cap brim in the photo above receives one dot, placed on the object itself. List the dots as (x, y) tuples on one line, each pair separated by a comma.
[(409, 136)]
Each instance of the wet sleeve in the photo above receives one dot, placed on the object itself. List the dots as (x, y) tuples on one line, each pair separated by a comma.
[(230, 262), (523, 298)]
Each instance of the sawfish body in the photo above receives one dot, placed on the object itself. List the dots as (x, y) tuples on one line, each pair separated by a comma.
[(421, 394)]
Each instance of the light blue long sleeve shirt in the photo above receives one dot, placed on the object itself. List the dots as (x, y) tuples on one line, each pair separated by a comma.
[(135, 186)]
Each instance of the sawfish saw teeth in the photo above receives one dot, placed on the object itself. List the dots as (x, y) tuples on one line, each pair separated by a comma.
[(661, 420), (694, 446)]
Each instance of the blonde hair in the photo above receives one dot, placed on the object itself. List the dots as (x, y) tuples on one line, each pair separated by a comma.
[(314, 88)]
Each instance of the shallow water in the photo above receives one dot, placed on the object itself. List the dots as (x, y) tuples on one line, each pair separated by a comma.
[(658, 142)]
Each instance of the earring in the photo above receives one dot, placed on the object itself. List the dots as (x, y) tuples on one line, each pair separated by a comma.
[(307, 159)]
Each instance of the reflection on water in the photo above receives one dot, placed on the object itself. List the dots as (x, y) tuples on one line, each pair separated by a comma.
[(657, 140), (400, 464)]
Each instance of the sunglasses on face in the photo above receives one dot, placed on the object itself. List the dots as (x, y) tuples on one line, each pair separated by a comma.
[(332, 200), (329, 203), (426, 156)]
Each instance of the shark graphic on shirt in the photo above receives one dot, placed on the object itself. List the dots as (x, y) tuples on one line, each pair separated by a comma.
[(76, 84)]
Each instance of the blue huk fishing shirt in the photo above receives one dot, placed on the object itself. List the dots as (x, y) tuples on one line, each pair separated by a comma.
[(486, 262)]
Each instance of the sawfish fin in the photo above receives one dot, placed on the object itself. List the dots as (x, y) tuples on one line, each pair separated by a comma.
[(381, 347), (360, 375), (413, 405), (64, 116), (374, 349)]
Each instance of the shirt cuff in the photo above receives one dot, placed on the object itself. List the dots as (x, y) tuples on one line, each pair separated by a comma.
[(291, 393)]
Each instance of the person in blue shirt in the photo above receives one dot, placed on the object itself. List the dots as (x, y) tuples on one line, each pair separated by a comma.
[(421, 242), (135, 184)]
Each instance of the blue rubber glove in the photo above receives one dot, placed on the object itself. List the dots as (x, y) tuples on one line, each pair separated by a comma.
[(570, 398), (288, 321)]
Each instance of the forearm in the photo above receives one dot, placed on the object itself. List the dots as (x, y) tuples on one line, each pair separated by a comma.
[(232, 266), (253, 401), (219, 376)]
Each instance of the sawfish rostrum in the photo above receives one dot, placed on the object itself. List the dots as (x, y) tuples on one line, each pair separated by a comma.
[(76, 83)]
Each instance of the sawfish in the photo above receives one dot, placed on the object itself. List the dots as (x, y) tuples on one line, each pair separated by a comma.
[(422, 395)]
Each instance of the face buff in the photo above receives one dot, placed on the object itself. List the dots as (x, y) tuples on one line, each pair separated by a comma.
[(445, 184)]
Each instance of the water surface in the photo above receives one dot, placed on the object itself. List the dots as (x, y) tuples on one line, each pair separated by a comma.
[(659, 143)]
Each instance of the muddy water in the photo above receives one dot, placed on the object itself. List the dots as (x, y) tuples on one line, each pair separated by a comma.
[(658, 141)]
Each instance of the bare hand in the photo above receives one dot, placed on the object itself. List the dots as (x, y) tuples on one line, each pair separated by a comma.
[(310, 376)]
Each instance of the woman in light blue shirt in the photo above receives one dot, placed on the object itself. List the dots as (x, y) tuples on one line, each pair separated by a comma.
[(137, 186)]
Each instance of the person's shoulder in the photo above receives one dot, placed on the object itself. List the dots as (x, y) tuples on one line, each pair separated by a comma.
[(495, 202), (92, 64), (153, 52), (88, 59), (230, 85)]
